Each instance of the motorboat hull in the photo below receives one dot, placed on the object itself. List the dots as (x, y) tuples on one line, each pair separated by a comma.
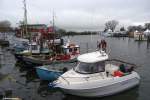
[(87, 90)]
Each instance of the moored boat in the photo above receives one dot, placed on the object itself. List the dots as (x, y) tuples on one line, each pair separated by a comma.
[(69, 54), (29, 49), (50, 72), (47, 73), (97, 76)]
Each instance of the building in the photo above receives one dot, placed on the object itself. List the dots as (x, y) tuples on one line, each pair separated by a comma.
[(32, 29)]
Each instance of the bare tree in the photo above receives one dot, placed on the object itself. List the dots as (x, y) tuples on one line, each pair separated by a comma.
[(147, 25), (5, 23), (132, 28), (111, 24), (140, 28), (122, 29)]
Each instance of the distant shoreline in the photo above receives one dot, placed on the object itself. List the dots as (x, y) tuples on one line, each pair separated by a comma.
[(79, 33)]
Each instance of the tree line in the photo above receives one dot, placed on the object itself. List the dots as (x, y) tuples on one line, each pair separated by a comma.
[(139, 27), (64, 32), (5, 26), (111, 24)]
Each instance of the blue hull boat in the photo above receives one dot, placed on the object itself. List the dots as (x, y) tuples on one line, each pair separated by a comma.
[(48, 72)]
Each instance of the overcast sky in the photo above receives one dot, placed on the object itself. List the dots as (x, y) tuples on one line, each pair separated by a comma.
[(77, 14)]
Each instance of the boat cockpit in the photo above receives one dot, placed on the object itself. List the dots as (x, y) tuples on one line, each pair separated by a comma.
[(110, 67)]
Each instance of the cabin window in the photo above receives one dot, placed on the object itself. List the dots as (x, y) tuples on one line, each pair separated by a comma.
[(34, 47), (70, 49), (65, 51), (75, 49), (89, 68)]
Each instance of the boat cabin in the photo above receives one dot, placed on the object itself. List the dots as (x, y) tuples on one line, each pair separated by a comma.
[(97, 62), (69, 52), (91, 62), (90, 68), (71, 49), (35, 49)]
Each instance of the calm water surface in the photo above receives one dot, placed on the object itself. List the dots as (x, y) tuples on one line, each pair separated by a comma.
[(19, 80)]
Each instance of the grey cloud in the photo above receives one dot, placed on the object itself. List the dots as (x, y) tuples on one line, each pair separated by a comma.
[(78, 14)]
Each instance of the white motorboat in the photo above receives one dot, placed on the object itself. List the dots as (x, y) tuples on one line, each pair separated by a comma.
[(97, 76)]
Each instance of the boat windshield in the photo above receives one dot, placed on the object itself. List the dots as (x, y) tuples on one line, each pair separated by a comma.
[(90, 68)]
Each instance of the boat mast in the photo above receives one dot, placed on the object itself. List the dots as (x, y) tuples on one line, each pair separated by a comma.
[(25, 25), (54, 29), (53, 22), (25, 17)]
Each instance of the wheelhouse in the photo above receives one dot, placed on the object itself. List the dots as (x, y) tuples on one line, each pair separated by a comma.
[(71, 49)]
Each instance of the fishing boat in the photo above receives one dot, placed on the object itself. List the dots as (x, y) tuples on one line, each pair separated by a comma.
[(97, 76), (29, 49), (34, 48), (69, 54)]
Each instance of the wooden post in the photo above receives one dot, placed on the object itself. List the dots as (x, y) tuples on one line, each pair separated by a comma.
[(87, 47)]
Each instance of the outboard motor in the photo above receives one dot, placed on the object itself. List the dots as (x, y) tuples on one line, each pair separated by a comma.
[(65, 69), (131, 69)]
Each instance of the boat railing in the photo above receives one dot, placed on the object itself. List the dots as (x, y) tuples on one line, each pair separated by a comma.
[(64, 79), (121, 62), (86, 78)]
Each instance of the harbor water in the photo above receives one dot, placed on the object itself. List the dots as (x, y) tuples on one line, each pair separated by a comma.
[(20, 80)]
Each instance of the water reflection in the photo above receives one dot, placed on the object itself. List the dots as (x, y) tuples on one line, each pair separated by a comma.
[(43, 89), (139, 44), (3, 77), (148, 44), (5, 93), (28, 72), (123, 48)]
